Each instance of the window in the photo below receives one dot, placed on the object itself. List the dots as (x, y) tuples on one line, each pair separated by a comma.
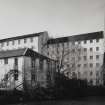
[(91, 82), (97, 81), (7, 43), (85, 49), (79, 74), (58, 45), (16, 61), (32, 47), (97, 40), (25, 40), (85, 73), (73, 43), (47, 46), (79, 65), (6, 61), (97, 48), (62, 44), (97, 64), (2, 44), (79, 50), (13, 42), (31, 39), (33, 77), (67, 44), (97, 56), (91, 65), (41, 64), (85, 58), (91, 49), (67, 58), (91, 57), (73, 50), (33, 63), (91, 41), (48, 53), (68, 65), (85, 65), (79, 58), (19, 41), (79, 42), (97, 73), (73, 58), (85, 41), (57, 50), (91, 73)]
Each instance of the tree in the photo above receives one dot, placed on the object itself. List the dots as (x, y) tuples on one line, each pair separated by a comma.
[(67, 55)]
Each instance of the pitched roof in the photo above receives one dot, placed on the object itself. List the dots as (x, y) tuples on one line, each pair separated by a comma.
[(12, 53), (22, 36), (86, 36), (21, 52)]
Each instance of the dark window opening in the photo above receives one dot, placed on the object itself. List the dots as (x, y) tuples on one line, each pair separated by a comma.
[(16, 61), (6, 61)]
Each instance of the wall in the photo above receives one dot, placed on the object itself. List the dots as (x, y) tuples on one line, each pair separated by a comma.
[(33, 45), (37, 71), (42, 43), (81, 72), (5, 68)]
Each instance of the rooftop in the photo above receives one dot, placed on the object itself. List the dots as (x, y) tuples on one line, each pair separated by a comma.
[(22, 36), (86, 36), (21, 52), (12, 53)]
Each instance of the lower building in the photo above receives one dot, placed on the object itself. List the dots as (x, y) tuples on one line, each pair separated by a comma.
[(25, 69)]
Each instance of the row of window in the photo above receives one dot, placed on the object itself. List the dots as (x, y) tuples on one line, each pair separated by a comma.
[(91, 41), (19, 41), (91, 49), (31, 47), (74, 43), (97, 82), (91, 57), (97, 73), (85, 49), (85, 58), (79, 50), (15, 61), (91, 65)]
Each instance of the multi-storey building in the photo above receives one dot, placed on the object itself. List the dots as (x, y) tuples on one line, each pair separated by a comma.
[(33, 41), (80, 56), (25, 69), (21, 54)]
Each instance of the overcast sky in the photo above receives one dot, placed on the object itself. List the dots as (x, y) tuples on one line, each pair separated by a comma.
[(58, 17)]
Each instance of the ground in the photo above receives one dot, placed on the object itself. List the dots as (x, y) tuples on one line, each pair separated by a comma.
[(81, 101)]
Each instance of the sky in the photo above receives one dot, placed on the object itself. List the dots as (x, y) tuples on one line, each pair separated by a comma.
[(58, 17)]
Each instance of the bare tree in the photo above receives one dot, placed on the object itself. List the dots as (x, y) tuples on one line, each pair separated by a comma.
[(67, 54)]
